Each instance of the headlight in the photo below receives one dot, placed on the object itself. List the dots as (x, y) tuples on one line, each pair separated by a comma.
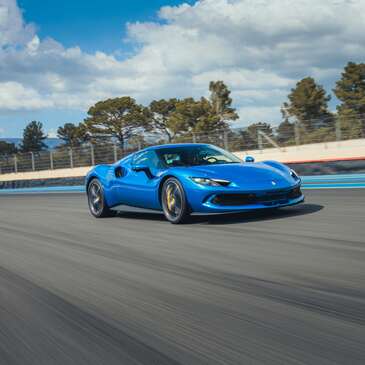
[(294, 175), (210, 182)]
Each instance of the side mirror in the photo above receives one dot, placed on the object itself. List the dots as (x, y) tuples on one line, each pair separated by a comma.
[(249, 159), (143, 168)]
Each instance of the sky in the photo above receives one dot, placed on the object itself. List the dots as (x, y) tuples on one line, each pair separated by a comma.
[(57, 58)]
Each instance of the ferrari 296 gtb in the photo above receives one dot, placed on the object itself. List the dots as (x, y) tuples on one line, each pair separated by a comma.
[(181, 179)]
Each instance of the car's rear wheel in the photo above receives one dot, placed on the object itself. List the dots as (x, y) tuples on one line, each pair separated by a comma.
[(174, 203), (97, 204)]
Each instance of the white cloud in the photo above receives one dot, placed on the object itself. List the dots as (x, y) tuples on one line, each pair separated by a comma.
[(33, 45), (12, 27), (253, 114), (14, 96), (260, 48)]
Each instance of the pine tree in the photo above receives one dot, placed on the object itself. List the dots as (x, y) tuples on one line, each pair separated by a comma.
[(72, 135), (350, 90), (308, 104), (33, 138), (7, 148), (120, 118), (221, 101), (161, 111), (285, 132)]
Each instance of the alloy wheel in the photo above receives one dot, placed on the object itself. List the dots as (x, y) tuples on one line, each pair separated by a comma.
[(173, 199), (96, 200)]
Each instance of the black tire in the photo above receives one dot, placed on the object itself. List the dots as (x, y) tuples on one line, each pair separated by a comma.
[(97, 204), (174, 203)]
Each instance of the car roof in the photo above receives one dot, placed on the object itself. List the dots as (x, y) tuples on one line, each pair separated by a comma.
[(175, 145)]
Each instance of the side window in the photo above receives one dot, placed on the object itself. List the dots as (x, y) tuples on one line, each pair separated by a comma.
[(173, 159), (147, 158)]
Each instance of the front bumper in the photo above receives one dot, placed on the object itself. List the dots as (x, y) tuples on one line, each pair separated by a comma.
[(205, 200)]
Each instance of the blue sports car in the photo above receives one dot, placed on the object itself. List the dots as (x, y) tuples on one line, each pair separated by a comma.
[(181, 179)]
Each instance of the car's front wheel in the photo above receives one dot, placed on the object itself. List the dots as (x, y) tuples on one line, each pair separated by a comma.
[(174, 203), (97, 204)]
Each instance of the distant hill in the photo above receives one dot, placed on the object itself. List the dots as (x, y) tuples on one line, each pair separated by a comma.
[(50, 142)]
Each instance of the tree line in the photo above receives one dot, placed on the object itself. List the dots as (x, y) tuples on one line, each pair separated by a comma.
[(305, 114)]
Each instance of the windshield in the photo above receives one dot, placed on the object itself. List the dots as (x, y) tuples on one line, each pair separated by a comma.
[(195, 156)]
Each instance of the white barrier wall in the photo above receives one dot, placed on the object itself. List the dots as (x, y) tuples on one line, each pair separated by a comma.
[(331, 151), (47, 174)]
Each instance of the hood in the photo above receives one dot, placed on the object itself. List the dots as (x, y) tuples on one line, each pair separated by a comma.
[(246, 175)]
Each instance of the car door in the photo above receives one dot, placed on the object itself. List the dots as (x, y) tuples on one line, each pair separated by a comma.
[(138, 188)]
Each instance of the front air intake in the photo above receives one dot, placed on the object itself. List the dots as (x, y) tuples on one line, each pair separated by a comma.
[(250, 199)]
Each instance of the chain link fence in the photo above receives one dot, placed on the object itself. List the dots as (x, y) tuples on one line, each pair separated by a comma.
[(257, 137)]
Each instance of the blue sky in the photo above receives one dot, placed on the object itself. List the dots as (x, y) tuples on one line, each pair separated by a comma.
[(57, 58), (93, 25)]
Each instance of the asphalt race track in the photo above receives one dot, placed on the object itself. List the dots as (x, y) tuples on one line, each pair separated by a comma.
[(284, 288)]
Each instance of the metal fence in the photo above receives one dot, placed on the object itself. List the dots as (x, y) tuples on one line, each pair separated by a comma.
[(242, 139)]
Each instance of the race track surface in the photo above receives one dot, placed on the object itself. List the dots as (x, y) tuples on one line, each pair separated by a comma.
[(284, 288)]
